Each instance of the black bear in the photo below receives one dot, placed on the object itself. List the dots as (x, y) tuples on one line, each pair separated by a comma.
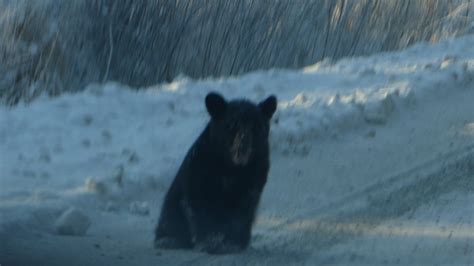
[(212, 201)]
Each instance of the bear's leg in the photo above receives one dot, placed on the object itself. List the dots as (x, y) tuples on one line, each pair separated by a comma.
[(172, 231), (207, 230), (239, 227), (239, 231), (225, 237), (220, 235)]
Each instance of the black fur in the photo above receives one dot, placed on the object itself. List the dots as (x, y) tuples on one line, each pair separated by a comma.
[(212, 201)]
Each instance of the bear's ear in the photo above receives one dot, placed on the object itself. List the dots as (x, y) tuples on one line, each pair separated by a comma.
[(268, 106), (215, 104)]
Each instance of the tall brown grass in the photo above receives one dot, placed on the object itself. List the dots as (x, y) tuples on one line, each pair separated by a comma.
[(50, 47)]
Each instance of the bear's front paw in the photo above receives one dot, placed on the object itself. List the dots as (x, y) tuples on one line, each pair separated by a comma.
[(216, 244), (171, 243), (225, 248)]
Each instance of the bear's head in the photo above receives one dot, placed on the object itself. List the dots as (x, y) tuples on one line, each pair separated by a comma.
[(239, 129)]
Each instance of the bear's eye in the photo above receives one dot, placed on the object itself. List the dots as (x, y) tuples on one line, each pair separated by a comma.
[(230, 126)]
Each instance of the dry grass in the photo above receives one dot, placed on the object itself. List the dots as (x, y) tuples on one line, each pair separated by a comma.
[(49, 47)]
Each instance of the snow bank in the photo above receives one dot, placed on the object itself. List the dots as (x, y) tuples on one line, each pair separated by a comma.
[(72, 222), (114, 134)]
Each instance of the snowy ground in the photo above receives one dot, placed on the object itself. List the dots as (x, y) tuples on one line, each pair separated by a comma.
[(372, 163)]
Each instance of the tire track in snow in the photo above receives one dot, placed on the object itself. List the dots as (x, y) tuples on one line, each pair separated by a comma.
[(362, 211)]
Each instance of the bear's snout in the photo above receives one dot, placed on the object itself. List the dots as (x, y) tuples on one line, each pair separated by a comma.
[(241, 149)]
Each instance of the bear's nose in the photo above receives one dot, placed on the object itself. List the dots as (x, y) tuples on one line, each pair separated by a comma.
[(243, 138)]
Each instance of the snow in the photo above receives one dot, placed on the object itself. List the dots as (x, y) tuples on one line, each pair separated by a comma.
[(372, 162), (72, 222)]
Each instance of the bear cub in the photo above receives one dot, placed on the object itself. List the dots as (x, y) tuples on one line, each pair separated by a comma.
[(212, 201)]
